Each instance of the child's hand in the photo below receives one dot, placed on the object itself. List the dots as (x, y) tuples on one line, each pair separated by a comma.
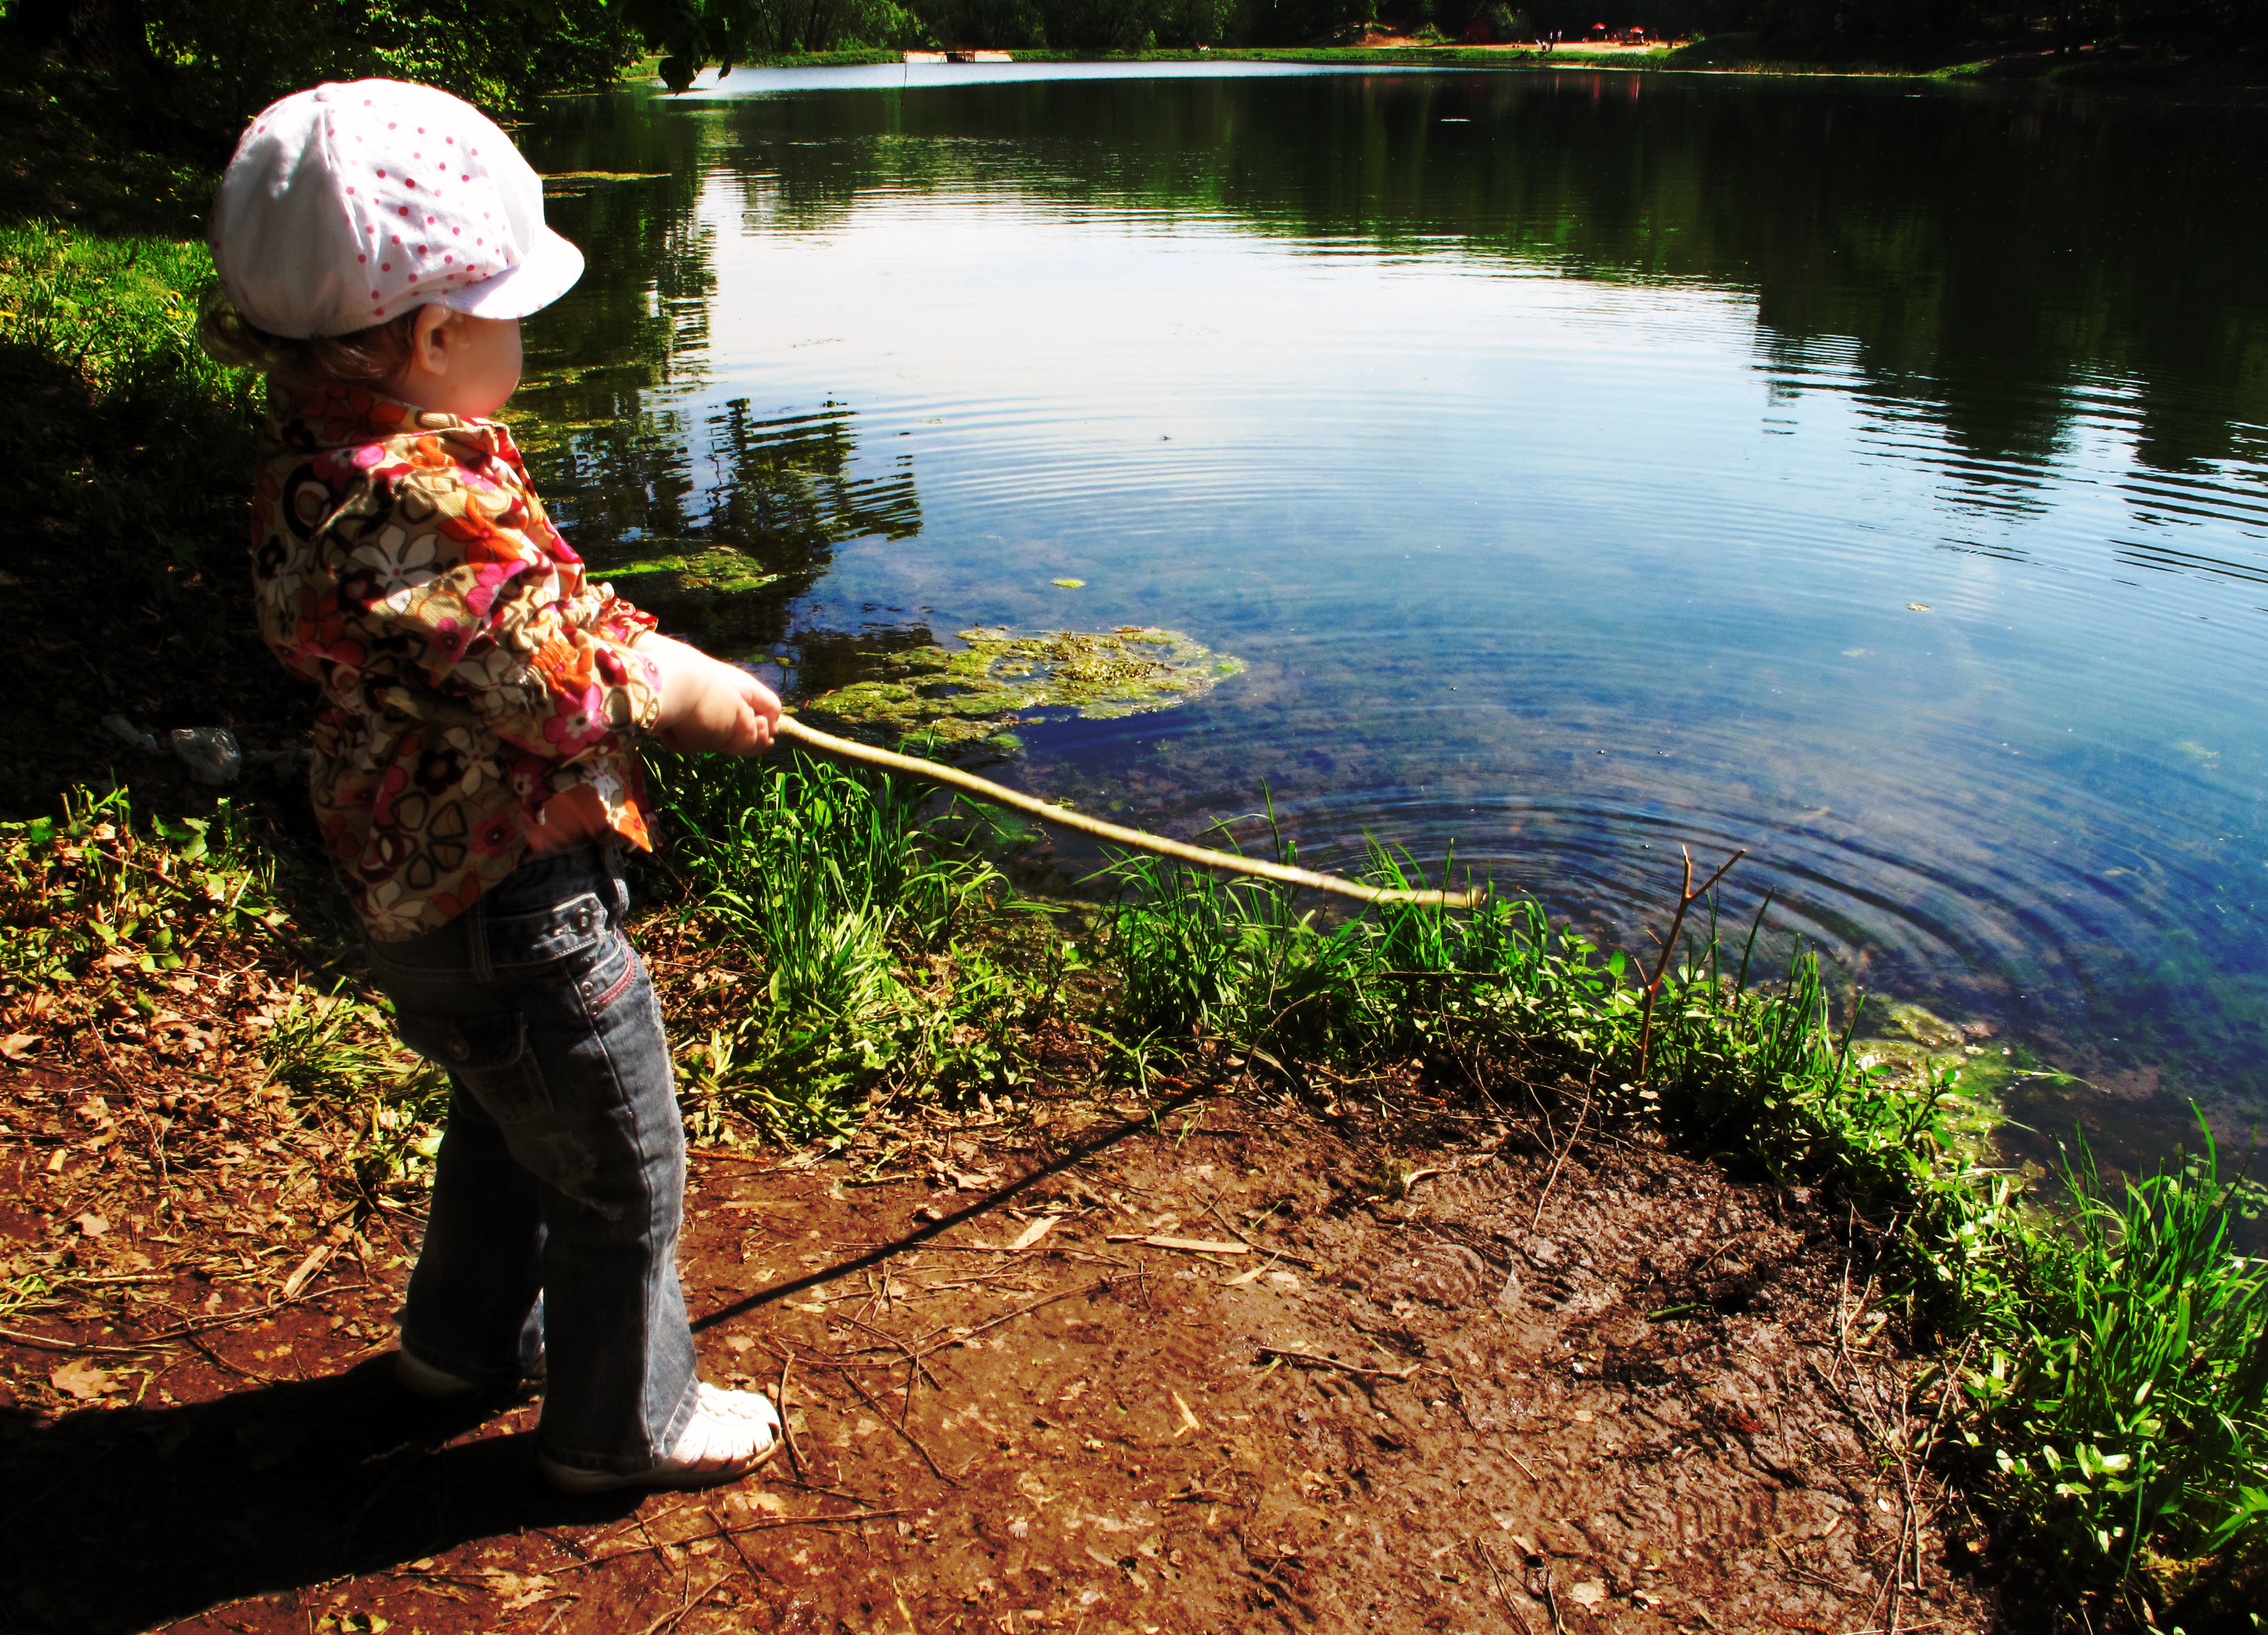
[(709, 706)]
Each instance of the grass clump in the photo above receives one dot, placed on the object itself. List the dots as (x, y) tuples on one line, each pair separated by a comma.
[(831, 893), (2122, 1407), (87, 893)]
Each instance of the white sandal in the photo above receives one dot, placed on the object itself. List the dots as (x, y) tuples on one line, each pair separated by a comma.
[(730, 1435)]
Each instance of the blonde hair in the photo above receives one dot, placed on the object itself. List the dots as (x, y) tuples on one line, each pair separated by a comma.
[(366, 357)]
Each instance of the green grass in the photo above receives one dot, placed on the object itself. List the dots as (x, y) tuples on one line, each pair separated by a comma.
[(114, 420), (91, 887), (2121, 1405), (830, 885)]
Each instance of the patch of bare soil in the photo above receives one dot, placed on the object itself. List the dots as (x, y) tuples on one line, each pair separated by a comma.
[(1073, 1370)]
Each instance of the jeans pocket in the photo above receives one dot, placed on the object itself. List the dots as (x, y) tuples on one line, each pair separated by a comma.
[(488, 1056), (566, 935)]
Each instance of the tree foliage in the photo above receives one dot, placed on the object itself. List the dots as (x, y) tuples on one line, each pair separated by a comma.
[(206, 66), (691, 35)]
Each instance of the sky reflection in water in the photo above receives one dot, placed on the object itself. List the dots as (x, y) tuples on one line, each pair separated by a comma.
[(1567, 476)]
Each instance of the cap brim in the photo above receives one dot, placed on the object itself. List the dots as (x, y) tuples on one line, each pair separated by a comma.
[(546, 272)]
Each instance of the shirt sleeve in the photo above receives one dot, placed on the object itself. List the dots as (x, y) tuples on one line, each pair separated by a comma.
[(448, 584)]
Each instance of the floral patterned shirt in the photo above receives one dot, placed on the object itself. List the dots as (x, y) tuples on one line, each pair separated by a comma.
[(478, 693)]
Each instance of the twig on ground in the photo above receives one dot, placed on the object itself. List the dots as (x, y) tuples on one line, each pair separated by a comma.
[(1590, 1085), (787, 1435), (150, 1130), (765, 1525), (1502, 1594), (1952, 1384), (1457, 1398), (165, 1337), (729, 1157), (732, 1545), (1259, 1249), (226, 1366), (686, 1602), (1687, 897), (1101, 1286), (1539, 1570), (911, 1440), (1317, 1357)]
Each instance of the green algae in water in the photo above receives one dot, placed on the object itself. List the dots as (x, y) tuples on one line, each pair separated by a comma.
[(701, 576), (693, 591), (1909, 1044), (965, 703), (566, 183)]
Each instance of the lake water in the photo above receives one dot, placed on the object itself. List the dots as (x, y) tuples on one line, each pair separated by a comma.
[(1873, 475)]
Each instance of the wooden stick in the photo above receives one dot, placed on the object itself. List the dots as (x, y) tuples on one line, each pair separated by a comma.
[(795, 732), (1686, 898), (911, 1440), (1290, 1355)]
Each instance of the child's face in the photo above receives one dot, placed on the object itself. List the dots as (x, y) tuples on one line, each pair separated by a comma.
[(460, 365)]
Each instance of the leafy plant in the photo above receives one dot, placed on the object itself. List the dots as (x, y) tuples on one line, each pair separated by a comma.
[(2125, 1406)]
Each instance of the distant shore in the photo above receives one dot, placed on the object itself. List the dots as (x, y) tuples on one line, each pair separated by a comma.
[(2087, 66)]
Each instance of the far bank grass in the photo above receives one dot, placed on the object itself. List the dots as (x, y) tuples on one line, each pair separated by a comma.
[(2122, 68)]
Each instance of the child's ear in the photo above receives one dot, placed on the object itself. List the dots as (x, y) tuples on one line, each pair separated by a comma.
[(428, 339)]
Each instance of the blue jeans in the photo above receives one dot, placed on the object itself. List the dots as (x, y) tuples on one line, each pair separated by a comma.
[(560, 1184)]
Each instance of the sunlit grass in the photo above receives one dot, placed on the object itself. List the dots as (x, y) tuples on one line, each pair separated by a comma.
[(98, 902), (827, 882), (120, 419), (91, 887)]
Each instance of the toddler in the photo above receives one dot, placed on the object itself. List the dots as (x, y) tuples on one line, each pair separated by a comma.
[(475, 777)]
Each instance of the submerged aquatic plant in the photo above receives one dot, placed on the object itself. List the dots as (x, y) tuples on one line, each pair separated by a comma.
[(961, 702)]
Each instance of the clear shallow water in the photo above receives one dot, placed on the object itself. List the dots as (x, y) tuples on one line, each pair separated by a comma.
[(1564, 453)]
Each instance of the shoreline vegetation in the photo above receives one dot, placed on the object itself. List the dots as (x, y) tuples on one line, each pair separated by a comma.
[(2091, 1379), (2130, 68)]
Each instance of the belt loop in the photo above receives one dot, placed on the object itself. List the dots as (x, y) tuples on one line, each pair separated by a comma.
[(476, 939), (618, 875)]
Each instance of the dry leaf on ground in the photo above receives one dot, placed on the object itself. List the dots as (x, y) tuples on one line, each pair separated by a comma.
[(81, 1379)]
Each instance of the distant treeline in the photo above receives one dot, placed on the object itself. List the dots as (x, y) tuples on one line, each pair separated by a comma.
[(208, 64), (190, 68), (179, 76), (700, 32)]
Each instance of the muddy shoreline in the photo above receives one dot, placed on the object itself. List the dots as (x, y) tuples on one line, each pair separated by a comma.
[(1667, 1401)]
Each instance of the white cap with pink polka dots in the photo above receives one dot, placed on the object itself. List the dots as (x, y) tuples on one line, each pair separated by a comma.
[(350, 204)]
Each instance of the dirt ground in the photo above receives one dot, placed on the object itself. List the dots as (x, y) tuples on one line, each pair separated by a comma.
[(1062, 1369)]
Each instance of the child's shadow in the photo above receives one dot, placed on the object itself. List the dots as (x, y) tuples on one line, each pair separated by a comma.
[(126, 1518)]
